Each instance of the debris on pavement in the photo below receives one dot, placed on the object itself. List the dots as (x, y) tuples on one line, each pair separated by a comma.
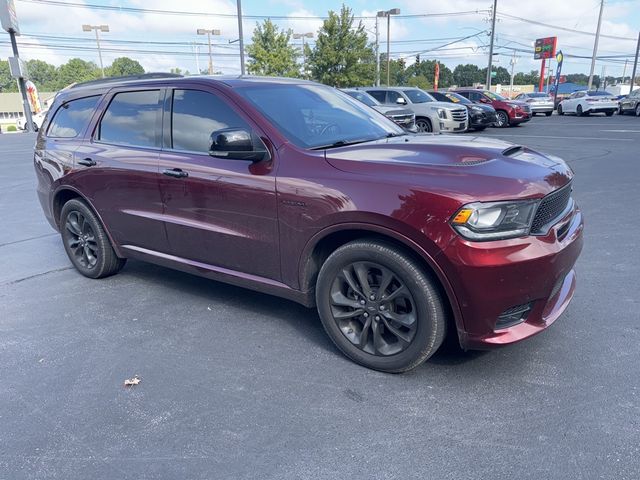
[(129, 382)]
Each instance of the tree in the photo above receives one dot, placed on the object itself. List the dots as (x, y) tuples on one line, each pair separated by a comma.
[(270, 52), (342, 56), (427, 70), (124, 66), (43, 75), (502, 76), (7, 82), (76, 70), (398, 75), (467, 75)]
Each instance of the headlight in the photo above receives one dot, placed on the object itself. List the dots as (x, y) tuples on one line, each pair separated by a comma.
[(494, 220), (476, 109), (442, 113)]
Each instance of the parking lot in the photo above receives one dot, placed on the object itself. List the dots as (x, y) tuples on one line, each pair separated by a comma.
[(237, 384)]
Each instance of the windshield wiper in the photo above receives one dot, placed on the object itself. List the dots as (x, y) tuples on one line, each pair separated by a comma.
[(342, 143)]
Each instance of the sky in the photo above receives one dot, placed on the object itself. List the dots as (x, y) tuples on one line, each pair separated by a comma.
[(161, 40)]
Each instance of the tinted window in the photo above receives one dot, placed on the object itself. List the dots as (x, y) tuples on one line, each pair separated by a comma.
[(316, 116), (494, 96), (439, 97), (456, 98), (196, 115), (379, 95), (392, 97), (72, 117), (418, 96), (363, 97), (474, 96), (132, 118)]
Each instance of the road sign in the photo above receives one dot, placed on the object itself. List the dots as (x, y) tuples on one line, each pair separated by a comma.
[(8, 17), (545, 48)]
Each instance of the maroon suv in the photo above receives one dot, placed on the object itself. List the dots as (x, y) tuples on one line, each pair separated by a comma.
[(296, 189), (508, 112)]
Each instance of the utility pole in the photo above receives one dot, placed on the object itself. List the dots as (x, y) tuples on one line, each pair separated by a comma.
[(635, 65), (493, 34), (241, 43), (377, 52), (208, 33), (624, 70), (388, 13), (513, 62), (196, 49), (595, 46), (97, 28)]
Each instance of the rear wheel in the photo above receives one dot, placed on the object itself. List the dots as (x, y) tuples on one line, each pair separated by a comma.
[(579, 111), (480, 129), (86, 242), (424, 125), (560, 111), (638, 110), (609, 113), (379, 308), (548, 114), (503, 119)]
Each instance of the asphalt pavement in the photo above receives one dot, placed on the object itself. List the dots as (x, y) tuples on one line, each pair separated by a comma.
[(241, 385)]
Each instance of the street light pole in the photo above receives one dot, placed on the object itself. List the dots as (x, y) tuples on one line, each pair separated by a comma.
[(240, 36), (302, 36), (388, 13), (635, 65), (377, 52), (595, 46), (208, 33), (97, 29), (493, 35)]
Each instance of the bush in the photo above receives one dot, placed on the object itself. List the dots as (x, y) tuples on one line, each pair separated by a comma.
[(12, 128)]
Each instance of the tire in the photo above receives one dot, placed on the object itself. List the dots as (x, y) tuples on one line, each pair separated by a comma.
[(548, 114), (560, 111), (480, 129), (86, 242), (579, 111), (638, 109), (503, 119), (340, 295), (424, 125), (609, 113)]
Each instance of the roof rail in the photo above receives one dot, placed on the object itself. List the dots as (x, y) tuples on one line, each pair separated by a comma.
[(125, 78)]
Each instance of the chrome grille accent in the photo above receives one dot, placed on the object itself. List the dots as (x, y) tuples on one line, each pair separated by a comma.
[(550, 208), (459, 114)]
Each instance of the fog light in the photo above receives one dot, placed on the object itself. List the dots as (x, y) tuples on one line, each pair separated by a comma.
[(513, 316)]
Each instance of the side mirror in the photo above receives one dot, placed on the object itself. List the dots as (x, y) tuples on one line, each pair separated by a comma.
[(401, 101), (483, 100), (236, 144)]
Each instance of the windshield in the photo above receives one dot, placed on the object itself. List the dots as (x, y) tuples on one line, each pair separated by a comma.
[(538, 95), (494, 96), (457, 98), (363, 97), (418, 96), (315, 116)]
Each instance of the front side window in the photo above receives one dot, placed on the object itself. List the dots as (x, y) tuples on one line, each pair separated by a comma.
[(316, 116), (475, 96), (494, 96), (132, 118), (196, 115), (379, 95), (418, 96), (72, 117), (392, 97)]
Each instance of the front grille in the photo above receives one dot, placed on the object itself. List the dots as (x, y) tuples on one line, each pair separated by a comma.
[(550, 208), (513, 316), (459, 115), (526, 108), (402, 119)]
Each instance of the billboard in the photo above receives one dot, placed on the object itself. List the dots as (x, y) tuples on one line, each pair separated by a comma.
[(545, 48), (8, 17)]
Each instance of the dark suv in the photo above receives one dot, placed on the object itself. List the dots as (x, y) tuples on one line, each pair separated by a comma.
[(508, 112), (298, 190)]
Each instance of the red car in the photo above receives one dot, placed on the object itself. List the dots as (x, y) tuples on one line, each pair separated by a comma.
[(296, 189), (508, 112)]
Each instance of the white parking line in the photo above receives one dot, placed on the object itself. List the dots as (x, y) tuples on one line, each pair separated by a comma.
[(565, 138), (622, 131)]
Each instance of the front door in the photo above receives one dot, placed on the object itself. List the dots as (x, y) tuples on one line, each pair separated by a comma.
[(219, 212)]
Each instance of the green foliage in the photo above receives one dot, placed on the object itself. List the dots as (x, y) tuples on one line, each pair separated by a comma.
[(12, 128), (124, 66), (77, 70), (425, 70), (420, 81), (7, 83), (530, 78), (42, 74), (342, 56), (270, 52), (468, 74), (398, 71)]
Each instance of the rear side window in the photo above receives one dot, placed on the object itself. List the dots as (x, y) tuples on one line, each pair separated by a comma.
[(196, 115), (379, 95), (132, 118), (72, 117)]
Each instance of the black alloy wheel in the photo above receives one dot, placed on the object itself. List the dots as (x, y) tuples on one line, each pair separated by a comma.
[(424, 125), (81, 240), (503, 119)]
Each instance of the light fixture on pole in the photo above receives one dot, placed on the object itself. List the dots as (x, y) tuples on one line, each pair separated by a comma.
[(388, 13), (302, 36), (97, 29), (208, 33)]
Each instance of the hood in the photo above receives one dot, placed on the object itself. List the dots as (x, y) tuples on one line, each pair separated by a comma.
[(470, 168), (390, 110), (516, 103), (447, 105), (482, 106)]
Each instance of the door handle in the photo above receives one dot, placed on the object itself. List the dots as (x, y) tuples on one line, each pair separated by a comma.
[(175, 172), (87, 162)]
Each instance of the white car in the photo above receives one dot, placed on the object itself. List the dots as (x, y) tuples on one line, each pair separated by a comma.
[(38, 120), (539, 102), (585, 102)]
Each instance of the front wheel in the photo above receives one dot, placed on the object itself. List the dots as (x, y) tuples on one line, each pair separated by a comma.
[(379, 308), (503, 119), (580, 112), (609, 113), (86, 242), (638, 110), (560, 111), (424, 125), (548, 114), (480, 129)]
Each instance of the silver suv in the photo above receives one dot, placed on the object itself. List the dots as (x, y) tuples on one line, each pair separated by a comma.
[(431, 115)]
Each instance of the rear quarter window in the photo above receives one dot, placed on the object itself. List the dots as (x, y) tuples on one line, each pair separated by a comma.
[(72, 117), (132, 118)]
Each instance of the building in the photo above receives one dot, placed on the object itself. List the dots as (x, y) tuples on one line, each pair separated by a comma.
[(11, 106)]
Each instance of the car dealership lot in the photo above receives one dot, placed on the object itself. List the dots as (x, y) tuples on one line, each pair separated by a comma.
[(237, 384)]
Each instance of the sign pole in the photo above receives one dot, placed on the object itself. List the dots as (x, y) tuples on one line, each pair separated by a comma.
[(541, 81), (23, 90), (635, 65)]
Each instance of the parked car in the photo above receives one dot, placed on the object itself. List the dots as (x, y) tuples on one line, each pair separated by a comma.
[(480, 116), (38, 119), (539, 102), (431, 115), (630, 103), (395, 237), (508, 112), (586, 102), (402, 116)]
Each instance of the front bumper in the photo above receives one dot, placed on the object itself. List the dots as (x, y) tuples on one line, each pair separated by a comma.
[(541, 107), (490, 278), (453, 126), (519, 117), (600, 107), (482, 120)]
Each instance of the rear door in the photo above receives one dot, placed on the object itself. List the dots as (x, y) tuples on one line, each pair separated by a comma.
[(119, 168), (219, 212)]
